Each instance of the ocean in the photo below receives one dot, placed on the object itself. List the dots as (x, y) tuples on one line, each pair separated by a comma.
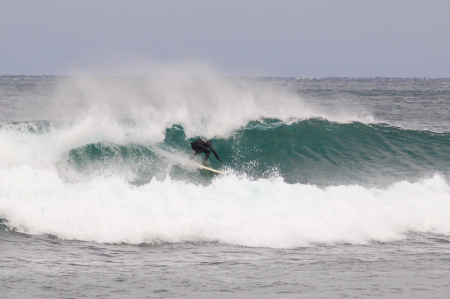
[(331, 188)]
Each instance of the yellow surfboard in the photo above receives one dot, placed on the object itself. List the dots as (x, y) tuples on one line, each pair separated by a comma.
[(209, 168), (180, 159)]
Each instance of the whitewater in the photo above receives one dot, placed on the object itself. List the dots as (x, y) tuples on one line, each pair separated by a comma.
[(331, 171)]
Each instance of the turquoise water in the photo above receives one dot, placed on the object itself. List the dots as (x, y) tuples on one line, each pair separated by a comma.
[(314, 151)]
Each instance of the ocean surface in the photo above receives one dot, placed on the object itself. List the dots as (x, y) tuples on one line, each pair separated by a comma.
[(331, 188)]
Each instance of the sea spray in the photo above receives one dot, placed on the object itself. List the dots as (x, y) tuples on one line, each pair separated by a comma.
[(203, 105)]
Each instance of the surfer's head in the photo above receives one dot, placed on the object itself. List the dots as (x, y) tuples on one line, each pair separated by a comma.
[(208, 142)]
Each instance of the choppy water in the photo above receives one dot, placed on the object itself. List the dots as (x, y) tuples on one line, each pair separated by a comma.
[(332, 187)]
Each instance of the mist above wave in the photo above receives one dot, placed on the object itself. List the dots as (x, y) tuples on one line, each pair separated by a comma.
[(203, 104)]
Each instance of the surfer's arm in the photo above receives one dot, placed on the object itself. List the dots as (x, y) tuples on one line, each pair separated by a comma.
[(215, 154)]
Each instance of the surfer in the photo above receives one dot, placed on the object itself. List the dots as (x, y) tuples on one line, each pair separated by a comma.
[(200, 146)]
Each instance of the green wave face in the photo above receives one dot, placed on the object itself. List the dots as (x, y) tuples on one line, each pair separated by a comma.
[(313, 151)]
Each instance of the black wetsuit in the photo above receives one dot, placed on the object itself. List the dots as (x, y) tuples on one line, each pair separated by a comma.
[(200, 146)]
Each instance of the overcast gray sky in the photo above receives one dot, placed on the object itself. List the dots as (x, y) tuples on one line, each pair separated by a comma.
[(288, 38)]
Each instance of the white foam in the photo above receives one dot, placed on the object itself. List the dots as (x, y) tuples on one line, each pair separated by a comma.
[(232, 209)]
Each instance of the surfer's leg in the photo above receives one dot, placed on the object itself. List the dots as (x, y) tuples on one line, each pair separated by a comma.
[(198, 150), (207, 153), (194, 155)]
